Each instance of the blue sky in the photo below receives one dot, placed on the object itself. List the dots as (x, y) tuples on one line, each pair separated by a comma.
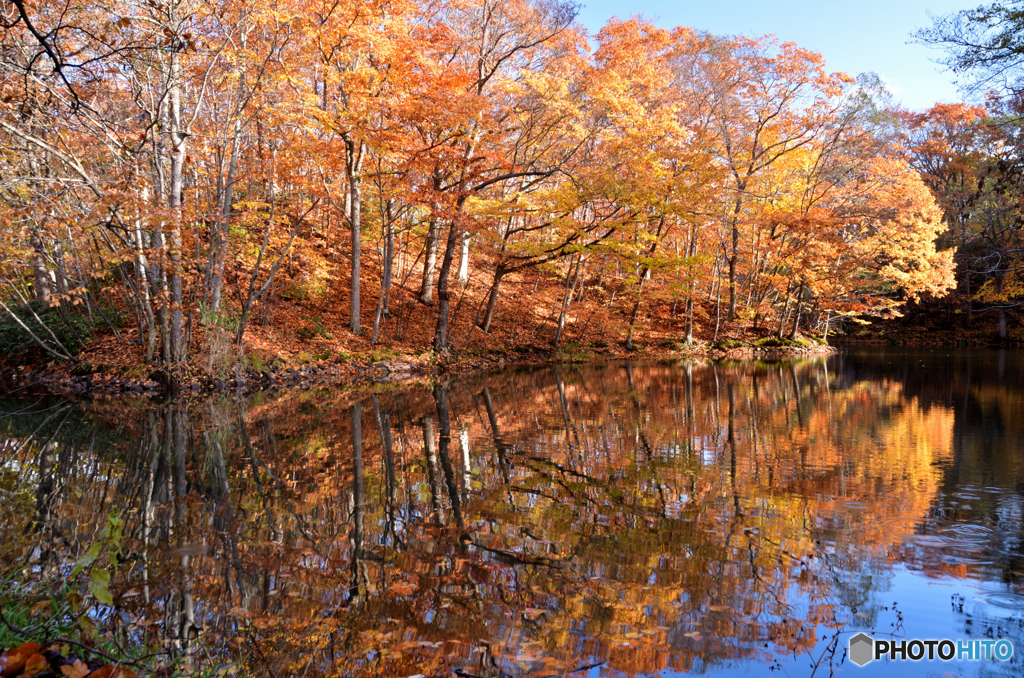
[(853, 36)]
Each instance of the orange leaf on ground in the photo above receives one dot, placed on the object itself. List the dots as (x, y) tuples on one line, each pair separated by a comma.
[(77, 670), (13, 661)]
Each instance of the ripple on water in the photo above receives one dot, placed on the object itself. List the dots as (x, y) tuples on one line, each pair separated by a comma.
[(926, 540), (966, 560), (967, 534), (1004, 599)]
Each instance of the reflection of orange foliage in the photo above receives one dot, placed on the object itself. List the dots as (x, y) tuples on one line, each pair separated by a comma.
[(648, 517)]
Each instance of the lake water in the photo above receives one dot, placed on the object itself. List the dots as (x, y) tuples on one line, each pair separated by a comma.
[(613, 520)]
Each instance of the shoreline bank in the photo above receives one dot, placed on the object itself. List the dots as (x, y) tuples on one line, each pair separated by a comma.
[(87, 380)]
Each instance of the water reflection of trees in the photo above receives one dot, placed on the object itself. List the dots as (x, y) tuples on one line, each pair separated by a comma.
[(643, 516)]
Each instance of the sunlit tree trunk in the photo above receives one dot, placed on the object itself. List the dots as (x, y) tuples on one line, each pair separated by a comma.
[(570, 287), (355, 151), (430, 262), (443, 293), (386, 272), (463, 274), (492, 298)]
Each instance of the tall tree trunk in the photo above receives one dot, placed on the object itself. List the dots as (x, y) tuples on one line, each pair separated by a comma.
[(734, 254), (385, 285), (645, 273), (1002, 309), (222, 226), (689, 319), (443, 293), (492, 298), (355, 150), (463, 274), (178, 149), (60, 276), (970, 304), (691, 250), (799, 309), (142, 275), (430, 262), (389, 253), (570, 287), (40, 271)]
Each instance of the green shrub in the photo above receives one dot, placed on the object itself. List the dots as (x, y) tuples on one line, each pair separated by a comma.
[(69, 324), (257, 363)]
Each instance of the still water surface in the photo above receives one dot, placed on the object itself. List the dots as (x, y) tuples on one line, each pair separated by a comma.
[(615, 520)]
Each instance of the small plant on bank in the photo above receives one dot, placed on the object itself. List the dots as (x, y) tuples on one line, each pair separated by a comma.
[(572, 354), (727, 344), (316, 330)]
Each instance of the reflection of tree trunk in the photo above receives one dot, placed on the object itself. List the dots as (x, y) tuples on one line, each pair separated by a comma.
[(731, 438), (44, 491), (357, 498), (169, 483), (444, 419), (690, 413), (736, 523), (151, 454), (177, 420), (499, 446), (796, 394), (467, 469), (391, 485), (432, 474), (573, 442)]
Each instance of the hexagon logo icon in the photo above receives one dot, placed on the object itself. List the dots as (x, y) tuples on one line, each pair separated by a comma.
[(861, 649)]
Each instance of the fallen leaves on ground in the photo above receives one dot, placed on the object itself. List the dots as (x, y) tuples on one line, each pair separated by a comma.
[(29, 659)]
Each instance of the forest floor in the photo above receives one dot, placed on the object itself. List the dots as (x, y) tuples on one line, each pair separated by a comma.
[(299, 334)]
